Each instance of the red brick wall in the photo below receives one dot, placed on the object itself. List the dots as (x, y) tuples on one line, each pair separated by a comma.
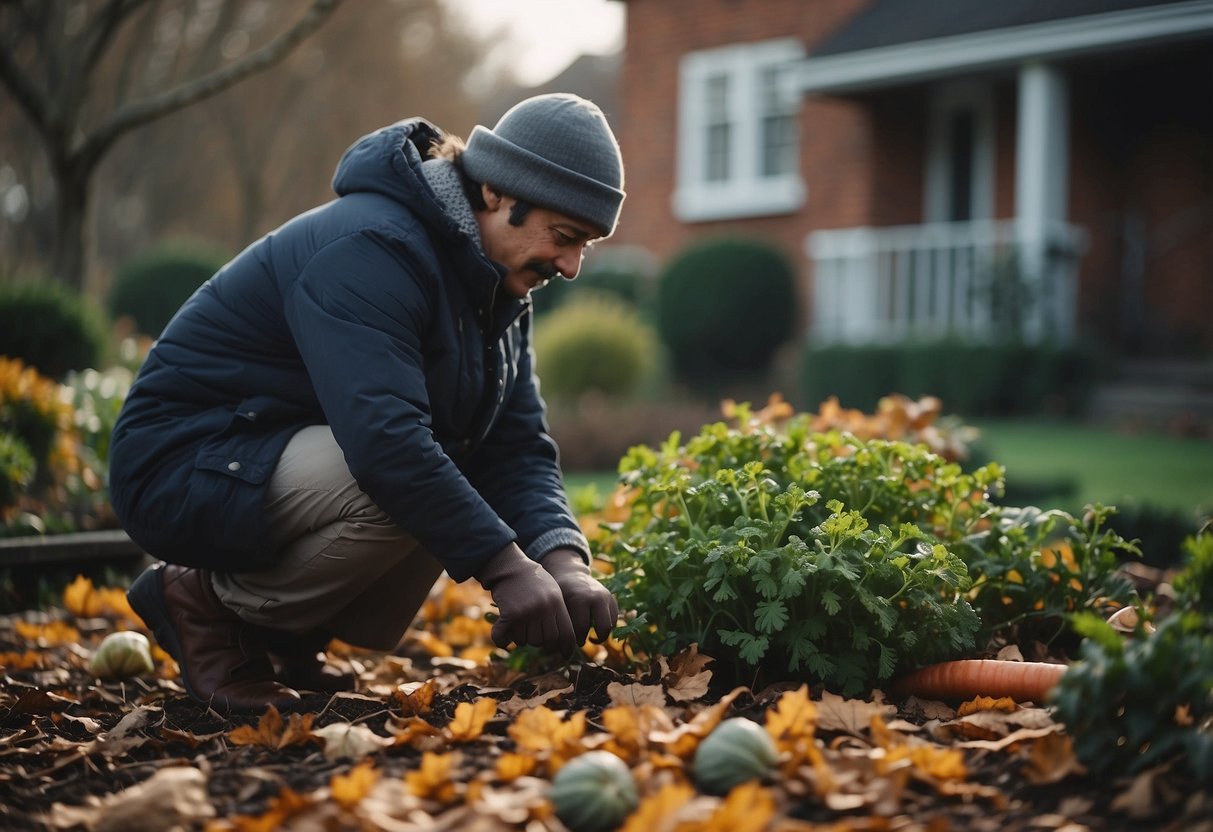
[(835, 134)]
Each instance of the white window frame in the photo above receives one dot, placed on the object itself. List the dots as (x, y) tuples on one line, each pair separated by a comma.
[(746, 192)]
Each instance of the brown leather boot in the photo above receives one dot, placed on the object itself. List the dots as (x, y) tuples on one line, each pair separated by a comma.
[(300, 663), (222, 662)]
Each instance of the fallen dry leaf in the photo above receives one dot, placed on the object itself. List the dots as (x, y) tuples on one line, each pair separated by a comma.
[(349, 789), (658, 810), (636, 695), (173, 797), (343, 740), (434, 778), (1051, 759), (851, 716), (470, 719), (272, 732)]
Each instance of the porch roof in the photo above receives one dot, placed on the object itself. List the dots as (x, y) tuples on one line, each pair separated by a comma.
[(893, 42)]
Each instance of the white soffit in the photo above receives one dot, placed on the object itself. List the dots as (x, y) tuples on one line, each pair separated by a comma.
[(926, 59)]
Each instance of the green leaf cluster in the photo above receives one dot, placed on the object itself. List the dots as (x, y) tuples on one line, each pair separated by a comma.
[(790, 553), (1033, 568), (1134, 703)]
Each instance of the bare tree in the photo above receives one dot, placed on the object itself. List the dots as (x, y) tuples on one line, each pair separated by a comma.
[(86, 72)]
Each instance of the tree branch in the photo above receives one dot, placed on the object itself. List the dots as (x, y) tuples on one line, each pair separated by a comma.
[(149, 109), (22, 87)]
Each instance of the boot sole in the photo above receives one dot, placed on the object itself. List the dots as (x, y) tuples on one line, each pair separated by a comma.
[(146, 596)]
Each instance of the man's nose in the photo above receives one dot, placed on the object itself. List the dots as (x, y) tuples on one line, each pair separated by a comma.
[(568, 265)]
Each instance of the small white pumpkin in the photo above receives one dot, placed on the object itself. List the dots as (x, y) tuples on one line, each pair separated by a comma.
[(594, 792), (122, 655), (736, 751)]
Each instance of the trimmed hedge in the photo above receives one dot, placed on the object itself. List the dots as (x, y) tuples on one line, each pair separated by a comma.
[(594, 342), (50, 328), (724, 307), (974, 379)]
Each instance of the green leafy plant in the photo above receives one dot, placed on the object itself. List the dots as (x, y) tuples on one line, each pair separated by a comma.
[(1032, 568), (1134, 703), (786, 552)]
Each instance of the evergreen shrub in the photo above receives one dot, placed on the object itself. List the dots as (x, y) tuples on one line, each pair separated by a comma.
[(724, 307), (594, 342), (626, 284), (990, 379), (151, 287), (49, 327)]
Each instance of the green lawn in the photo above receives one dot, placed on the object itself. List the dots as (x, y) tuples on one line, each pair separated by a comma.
[(1103, 466), (1065, 465)]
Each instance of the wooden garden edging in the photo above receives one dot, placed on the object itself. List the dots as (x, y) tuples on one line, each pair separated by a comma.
[(111, 546)]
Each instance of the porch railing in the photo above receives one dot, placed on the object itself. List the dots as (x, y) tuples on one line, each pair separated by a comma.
[(977, 281)]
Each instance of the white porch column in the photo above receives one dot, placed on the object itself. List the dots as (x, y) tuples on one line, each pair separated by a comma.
[(1041, 189)]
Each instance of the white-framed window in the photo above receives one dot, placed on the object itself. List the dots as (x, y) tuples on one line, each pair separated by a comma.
[(738, 148)]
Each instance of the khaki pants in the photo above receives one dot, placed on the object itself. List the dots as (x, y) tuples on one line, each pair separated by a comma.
[(343, 567)]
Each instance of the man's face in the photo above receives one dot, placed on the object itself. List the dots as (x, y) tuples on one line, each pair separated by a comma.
[(544, 246)]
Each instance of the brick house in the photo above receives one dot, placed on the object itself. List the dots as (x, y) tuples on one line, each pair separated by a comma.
[(909, 155)]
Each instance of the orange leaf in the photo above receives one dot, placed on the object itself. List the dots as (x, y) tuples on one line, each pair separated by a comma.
[(47, 635), (433, 779), (283, 806), (748, 808), (541, 729), (470, 719), (658, 810), (349, 789), (415, 699), (511, 765), (80, 599), (793, 718), (986, 703), (271, 732)]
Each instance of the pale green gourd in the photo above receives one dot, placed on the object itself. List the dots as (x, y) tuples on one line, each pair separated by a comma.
[(736, 751), (594, 792), (122, 655)]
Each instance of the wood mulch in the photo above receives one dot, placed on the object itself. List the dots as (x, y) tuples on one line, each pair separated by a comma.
[(80, 753)]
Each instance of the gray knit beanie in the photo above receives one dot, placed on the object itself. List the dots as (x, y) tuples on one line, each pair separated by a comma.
[(555, 151)]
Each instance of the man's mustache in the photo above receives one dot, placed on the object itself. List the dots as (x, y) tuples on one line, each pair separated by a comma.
[(545, 270)]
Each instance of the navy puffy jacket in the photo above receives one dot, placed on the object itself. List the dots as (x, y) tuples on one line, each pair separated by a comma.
[(373, 314)]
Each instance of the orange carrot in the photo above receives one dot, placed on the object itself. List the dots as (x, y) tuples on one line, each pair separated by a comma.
[(965, 679)]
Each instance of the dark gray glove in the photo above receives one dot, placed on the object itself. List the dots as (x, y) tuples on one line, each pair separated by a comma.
[(587, 600), (529, 600)]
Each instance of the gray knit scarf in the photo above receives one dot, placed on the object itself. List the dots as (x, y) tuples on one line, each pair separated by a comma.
[(444, 180)]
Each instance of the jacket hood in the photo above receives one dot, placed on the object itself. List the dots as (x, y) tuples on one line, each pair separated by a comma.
[(388, 162)]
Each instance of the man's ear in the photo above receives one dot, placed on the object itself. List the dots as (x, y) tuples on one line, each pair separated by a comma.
[(492, 196)]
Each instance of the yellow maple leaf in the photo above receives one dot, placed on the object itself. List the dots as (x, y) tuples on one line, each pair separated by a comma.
[(542, 729), (470, 719), (747, 808), (349, 789), (512, 765), (931, 762), (432, 644), (627, 738), (794, 718), (433, 780), (658, 810)]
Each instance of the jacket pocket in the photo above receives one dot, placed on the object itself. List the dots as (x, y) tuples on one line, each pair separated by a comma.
[(241, 450)]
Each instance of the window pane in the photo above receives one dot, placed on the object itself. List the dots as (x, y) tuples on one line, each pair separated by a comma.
[(718, 130), (777, 125)]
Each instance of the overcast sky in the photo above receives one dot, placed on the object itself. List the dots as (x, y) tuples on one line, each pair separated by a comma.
[(549, 33)]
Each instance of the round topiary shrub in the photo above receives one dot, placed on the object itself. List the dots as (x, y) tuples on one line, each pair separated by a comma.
[(624, 283), (50, 327), (594, 342), (723, 308), (151, 288)]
